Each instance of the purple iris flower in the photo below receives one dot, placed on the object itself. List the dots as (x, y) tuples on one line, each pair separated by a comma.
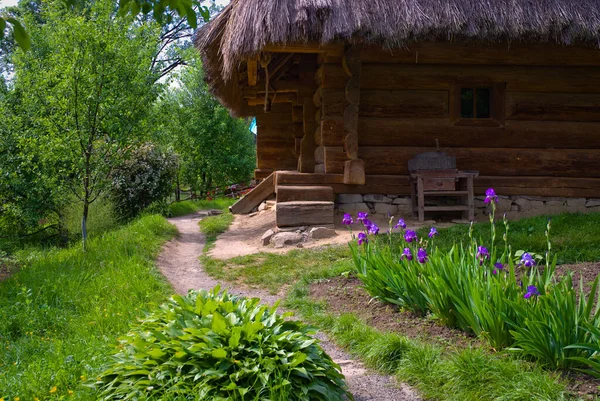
[(373, 229), (407, 254), (433, 232), (361, 216), (482, 254), (410, 236), (347, 220), (422, 255), (527, 260), (367, 223), (498, 266), (362, 238), (400, 224), (490, 196), (531, 291)]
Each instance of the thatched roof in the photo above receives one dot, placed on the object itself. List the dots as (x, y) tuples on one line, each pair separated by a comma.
[(246, 26)]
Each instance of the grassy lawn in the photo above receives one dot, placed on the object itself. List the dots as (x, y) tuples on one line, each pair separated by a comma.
[(575, 237), (189, 207), (274, 271), (62, 312)]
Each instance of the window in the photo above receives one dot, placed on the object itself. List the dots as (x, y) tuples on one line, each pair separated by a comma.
[(479, 104)]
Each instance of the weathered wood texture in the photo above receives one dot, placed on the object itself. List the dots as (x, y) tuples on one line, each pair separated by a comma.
[(304, 213), (252, 199), (292, 193), (275, 140)]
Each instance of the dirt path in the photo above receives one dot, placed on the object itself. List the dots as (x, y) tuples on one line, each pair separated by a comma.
[(180, 264)]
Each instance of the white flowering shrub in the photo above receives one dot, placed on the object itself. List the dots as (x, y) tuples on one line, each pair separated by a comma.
[(145, 177)]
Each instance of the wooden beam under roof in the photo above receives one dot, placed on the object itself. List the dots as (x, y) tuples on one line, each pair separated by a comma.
[(309, 47)]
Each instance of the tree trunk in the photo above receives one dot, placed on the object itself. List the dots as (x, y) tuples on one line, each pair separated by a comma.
[(86, 207)]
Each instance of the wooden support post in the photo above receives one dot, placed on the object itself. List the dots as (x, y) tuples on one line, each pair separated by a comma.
[(306, 161), (252, 72), (354, 168)]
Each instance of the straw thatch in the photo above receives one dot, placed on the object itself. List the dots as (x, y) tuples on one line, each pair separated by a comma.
[(246, 26)]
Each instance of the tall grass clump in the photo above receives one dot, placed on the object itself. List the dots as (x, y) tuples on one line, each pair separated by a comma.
[(102, 217), (212, 346), (511, 298), (63, 310), (192, 206)]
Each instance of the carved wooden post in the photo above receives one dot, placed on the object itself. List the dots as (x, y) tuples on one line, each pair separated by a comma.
[(354, 168), (306, 161)]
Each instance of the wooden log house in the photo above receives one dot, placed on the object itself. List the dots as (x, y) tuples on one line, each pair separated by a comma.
[(345, 92)]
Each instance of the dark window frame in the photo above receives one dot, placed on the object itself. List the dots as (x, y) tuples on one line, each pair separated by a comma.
[(497, 106)]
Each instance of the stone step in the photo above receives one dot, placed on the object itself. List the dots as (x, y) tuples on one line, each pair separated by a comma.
[(298, 193), (304, 213)]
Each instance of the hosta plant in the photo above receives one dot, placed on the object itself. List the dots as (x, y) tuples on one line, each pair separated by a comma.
[(213, 346)]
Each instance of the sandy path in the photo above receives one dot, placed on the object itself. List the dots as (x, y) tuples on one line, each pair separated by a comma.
[(180, 265)]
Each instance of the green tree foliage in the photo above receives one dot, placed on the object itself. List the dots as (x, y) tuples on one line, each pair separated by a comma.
[(85, 86), (214, 149)]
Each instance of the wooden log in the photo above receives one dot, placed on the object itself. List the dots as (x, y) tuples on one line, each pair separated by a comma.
[(553, 106), (261, 174), (354, 172), (252, 199), (279, 98), (389, 103), (297, 113), (318, 98), (351, 145), (304, 213), (298, 147), (353, 90), (332, 48), (424, 132), (488, 161), (306, 162), (320, 168), (351, 62), (287, 193), (320, 155), (506, 53), (318, 137), (252, 71)]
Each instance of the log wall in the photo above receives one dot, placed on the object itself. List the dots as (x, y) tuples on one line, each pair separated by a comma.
[(550, 129)]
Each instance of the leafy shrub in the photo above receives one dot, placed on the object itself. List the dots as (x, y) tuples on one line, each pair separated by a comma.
[(212, 346), (145, 177), (509, 298)]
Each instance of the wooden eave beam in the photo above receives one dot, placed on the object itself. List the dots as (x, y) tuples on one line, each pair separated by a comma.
[(252, 71), (310, 47)]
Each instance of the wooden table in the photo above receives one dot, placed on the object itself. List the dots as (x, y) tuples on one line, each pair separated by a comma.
[(443, 183)]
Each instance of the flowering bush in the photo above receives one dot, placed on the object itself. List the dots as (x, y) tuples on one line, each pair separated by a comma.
[(511, 299)]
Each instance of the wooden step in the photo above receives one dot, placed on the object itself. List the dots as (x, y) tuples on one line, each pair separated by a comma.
[(292, 193), (304, 213), (254, 198), (446, 208)]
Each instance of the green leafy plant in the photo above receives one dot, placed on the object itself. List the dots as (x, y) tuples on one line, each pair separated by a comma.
[(213, 346), (512, 299)]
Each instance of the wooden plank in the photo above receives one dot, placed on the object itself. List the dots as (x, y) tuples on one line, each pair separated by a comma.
[(291, 98), (553, 106), (440, 77), (294, 214), (270, 120), (252, 71), (306, 161), (540, 186), (301, 47), (424, 132), (354, 172), (320, 155), (488, 161), (252, 199), (388, 103), (288, 193), (491, 54)]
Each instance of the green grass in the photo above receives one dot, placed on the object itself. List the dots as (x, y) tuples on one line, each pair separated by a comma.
[(188, 207), (438, 373), (575, 237), (62, 312), (274, 271)]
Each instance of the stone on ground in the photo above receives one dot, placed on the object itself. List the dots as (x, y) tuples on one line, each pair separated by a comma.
[(321, 233), (266, 238), (285, 238)]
